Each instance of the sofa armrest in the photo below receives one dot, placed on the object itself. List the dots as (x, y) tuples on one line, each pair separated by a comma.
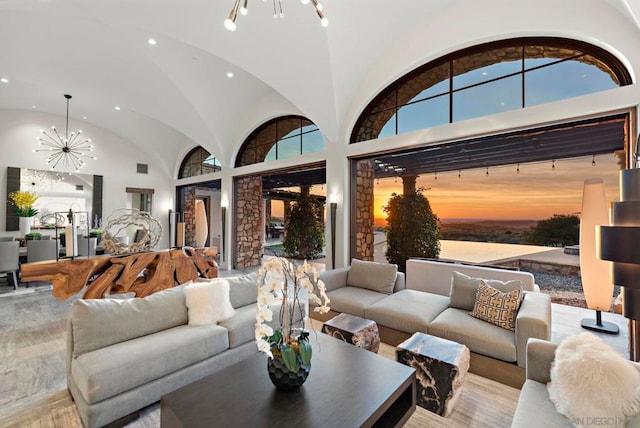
[(400, 283), (69, 341), (540, 356), (334, 278), (533, 321)]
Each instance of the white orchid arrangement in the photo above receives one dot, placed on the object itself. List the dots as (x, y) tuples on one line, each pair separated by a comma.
[(279, 277)]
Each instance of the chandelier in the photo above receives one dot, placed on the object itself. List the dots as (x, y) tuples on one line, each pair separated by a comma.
[(230, 22), (69, 149)]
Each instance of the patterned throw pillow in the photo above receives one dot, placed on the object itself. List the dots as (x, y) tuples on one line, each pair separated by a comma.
[(497, 307)]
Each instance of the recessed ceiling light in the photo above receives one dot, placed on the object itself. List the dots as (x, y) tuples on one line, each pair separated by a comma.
[(4, 80), (152, 41), (33, 106), (230, 75), (117, 107), (84, 117)]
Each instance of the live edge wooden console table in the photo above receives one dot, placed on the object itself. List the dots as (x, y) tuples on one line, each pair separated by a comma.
[(139, 273), (347, 387)]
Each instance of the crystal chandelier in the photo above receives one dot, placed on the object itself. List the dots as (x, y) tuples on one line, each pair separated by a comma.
[(69, 149), (230, 22)]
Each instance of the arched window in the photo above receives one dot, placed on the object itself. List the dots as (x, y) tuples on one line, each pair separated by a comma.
[(488, 79), (280, 138), (197, 162)]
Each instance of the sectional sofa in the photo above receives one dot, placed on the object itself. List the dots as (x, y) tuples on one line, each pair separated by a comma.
[(423, 302), (124, 354)]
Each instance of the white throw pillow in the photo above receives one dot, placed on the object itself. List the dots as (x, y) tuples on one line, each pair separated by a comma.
[(592, 382), (208, 302)]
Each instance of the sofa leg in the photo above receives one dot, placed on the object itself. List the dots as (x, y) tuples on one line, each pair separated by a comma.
[(123, 420)]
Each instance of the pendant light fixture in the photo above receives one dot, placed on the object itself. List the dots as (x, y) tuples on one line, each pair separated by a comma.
[(240, 6), (70, 149)]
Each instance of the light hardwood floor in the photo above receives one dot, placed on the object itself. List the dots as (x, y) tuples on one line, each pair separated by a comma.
[(33, 388)]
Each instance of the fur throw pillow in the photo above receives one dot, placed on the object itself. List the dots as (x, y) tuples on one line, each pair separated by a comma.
[(591, 381), (208, 302)]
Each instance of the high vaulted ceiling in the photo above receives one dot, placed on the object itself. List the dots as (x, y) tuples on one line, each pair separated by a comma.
[(176, 94)]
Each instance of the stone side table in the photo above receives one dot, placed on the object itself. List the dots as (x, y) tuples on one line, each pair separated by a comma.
[(361, 332), (441, 366)]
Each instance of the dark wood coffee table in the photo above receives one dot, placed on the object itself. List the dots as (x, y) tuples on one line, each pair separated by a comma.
[(347, 387)]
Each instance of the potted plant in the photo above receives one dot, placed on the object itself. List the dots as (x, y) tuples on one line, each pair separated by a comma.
[(96, 234), (288, 348), (412, 228), (24, 202), (33, 236)]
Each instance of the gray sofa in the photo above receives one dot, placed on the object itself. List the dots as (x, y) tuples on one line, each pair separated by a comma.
[(534, 403), (423, 305), (124, 354)]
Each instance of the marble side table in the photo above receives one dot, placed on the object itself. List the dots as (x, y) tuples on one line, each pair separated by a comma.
[(441, 366), (361, 332)]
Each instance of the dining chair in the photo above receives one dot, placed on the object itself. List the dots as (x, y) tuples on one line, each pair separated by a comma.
[(87, 249), (9, 260), (6, 238), (39, 250)]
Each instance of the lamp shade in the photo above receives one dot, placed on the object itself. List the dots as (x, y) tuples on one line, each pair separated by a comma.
[(595, 273), (202, 228)]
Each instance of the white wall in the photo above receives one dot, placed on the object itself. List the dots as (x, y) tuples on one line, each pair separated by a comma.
[(117, 159)]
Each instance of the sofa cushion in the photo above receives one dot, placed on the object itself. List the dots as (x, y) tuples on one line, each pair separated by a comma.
[(407, 310), (534, 405), (496, 307), (242, 326), (102, 322), (113, 369), (479, 336), (380, 277), (243, 289), (353, 300), (208, 302), (464, 289)]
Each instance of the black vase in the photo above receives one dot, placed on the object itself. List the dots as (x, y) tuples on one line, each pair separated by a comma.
[(284, 379)]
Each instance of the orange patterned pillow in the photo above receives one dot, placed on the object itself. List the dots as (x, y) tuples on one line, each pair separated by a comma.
[(497, 307)]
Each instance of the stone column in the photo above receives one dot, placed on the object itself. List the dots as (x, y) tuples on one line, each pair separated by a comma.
[(409, 184), (249, 221), (364, 210), (190, 216)]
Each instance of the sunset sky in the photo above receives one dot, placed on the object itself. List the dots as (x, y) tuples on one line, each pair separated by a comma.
[(537, 192)]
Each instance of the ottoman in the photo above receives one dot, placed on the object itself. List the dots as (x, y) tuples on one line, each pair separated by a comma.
[(361, 332), (441, 366)]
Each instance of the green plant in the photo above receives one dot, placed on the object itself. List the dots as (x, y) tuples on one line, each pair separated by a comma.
[(556, 231), (33, 235), (412, 228), (95, 233), (24, 201), (304, 232)]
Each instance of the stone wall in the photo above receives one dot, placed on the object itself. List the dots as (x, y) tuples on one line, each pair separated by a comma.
[(543, 267), (190, 216), (364, 210), (249, 232)]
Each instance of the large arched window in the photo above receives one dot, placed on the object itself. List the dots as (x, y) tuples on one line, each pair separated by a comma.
[(488, 79), (280, 138), (197, 162)]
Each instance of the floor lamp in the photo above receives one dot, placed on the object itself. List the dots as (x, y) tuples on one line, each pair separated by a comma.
[(595, 273), (619, 243)]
